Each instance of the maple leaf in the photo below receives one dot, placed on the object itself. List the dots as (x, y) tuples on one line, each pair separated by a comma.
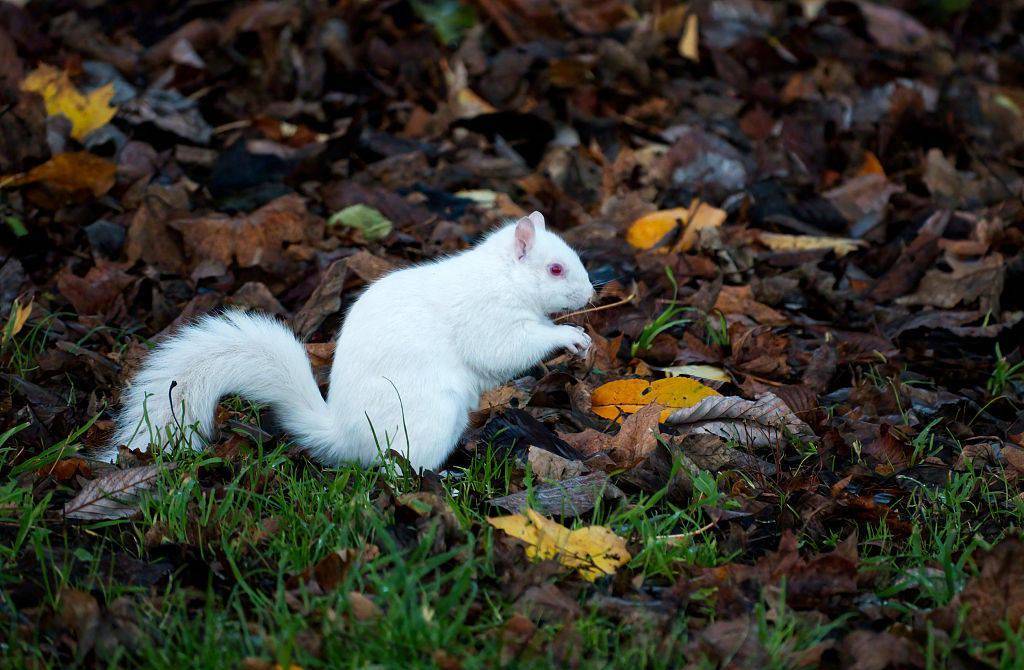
[(86, 111)]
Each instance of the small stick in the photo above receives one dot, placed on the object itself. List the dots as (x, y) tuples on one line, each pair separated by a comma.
[(625, 300)]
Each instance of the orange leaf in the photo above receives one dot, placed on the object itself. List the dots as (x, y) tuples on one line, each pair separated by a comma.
[(77, 171), (626, 396)]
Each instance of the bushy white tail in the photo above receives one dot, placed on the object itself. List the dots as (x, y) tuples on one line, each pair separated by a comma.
[(174, 396)]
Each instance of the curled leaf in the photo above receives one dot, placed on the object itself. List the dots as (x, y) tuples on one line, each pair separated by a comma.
[(781, 242), (652, 229)]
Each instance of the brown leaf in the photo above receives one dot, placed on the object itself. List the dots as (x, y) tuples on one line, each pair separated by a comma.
[(66, 469), (740, 300), (758, 423), (868, 650), (967, 282), (72, 173), (149, 236), (96, 292), (993, 597), (363, 609), (368, 267), (114, 495), (80, 612), (215, 242), (637, 437), (571, 497), (325, 300)]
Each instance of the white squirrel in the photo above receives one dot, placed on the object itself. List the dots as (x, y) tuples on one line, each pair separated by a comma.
[(414, 354)]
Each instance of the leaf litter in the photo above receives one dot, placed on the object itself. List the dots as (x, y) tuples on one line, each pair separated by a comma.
[(797, 441)]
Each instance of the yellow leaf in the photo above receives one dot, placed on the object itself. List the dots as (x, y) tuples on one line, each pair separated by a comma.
[(651, 229), (16, 321), (702, 215), (689, 42), (76, 171), (87, 112), (626, 396), (871, 165), (780, 242), (700, 371), (594, 551)]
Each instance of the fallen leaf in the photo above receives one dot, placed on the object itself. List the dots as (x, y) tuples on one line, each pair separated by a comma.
[(17, 320), (363, 609), (651, 229), (325, 300), (370, 222), (259, 239), (782, 242), (87, 112), (689, 43), (71, 173), (758, 423), (114, 495), (870, 650), (594, 551), (966, 282), (637, 438), (626, 396), (570, 497), (97, 290), (709, 372), (991, 599)]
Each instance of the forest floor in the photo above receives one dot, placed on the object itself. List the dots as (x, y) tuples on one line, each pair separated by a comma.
[(798, 440)]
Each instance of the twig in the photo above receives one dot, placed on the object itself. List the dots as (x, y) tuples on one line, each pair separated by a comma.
[(625, 300)]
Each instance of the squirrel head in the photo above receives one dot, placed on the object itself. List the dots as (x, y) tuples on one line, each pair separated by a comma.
[(546, 268)]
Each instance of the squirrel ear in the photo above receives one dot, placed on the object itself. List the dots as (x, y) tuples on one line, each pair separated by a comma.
[(525, 236), (538, 220)]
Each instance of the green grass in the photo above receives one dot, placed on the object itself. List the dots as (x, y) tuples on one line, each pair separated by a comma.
[(236, 535)]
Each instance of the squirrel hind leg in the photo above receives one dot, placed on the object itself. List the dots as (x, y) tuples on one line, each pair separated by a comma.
[(433, 435)]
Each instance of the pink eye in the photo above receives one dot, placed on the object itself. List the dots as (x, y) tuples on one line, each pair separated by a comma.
[(556, 269)]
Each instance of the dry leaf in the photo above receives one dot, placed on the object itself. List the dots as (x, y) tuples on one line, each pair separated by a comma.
[(16, 321), (87, 112), (570, 497), (594, 551), (363, 609), (689, 43), (782, 242), (71, 172), (758, 423), (651, 229), (114, 495), (626, 396), (630, 446), (709, 372)]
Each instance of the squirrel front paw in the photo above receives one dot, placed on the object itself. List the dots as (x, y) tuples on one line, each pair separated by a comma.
[(576, 340)]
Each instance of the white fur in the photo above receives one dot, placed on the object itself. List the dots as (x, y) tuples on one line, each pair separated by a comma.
[(414, 354)]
